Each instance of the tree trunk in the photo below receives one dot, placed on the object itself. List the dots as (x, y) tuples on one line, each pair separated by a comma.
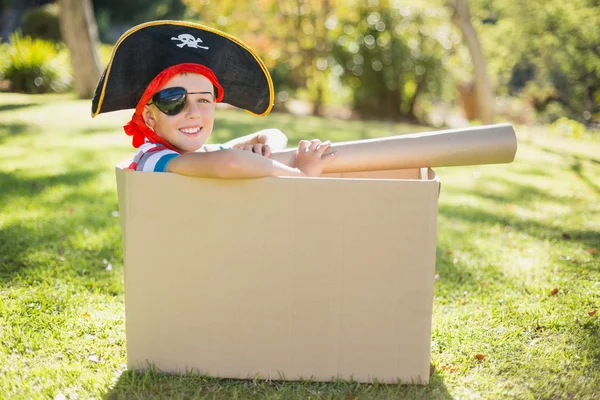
[(317, 110), (80, 33), (318, 20), (483, 89), (413, 102)]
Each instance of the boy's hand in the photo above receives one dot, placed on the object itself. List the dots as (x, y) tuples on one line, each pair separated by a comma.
[(272, 137), (312, 156), (262, 142), (258, 148)]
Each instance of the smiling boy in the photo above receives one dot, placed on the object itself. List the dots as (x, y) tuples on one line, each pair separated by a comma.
[(174, 85)]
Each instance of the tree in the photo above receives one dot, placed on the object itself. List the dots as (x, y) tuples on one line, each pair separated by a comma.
[(545, 51), (80, 33), (295, 45), (114, 17), (483, 91), (310, 44), (391, 57)]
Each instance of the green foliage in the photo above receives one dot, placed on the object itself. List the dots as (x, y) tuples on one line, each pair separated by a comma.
[(42, 23), (140, 10), (389, 57), (294, 48), (547, 51), (546, 54), (311, 48), (34, 65), (119, 14), (569, 128), (104, 52)]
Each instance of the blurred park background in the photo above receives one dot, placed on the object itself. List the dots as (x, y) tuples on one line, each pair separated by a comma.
[(439, 62), (517, 287)]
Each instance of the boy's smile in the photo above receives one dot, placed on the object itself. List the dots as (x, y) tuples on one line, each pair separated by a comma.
[(189, 129)]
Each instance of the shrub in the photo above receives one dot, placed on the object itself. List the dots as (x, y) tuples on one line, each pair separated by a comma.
[(569, 128), (42, 23), (388, 61), (35, 65)]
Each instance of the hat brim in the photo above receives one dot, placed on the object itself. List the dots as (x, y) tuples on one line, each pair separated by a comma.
[(147, 49)]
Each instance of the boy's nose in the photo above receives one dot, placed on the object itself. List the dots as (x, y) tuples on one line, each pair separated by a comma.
[(193, 109)]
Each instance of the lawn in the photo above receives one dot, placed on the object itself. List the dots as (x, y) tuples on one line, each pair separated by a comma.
[(516, 293)]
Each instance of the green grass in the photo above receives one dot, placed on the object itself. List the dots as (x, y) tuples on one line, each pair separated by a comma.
[(517, 259)]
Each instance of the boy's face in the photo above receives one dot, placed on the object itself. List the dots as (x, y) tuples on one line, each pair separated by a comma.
[(188, 130)]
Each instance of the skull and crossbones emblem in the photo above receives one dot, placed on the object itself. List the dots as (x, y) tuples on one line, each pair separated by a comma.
[(189, 40)]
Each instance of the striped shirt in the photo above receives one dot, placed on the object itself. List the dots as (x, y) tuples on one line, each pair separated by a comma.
[(152, 157)]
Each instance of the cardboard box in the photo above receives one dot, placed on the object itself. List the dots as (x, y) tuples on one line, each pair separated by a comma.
[(281, 278)]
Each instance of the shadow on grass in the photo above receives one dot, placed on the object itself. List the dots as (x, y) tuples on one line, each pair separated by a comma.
[(514, 192), (568, 154), (518, 193), (577, 168), (528, 169), (12, 107), (487, 281), (576, 165), (586, 238), (152, 384), (97, 129), (8, 131), (33, 245), (36, 249), (590, 337), (15, 185), (454, 278)]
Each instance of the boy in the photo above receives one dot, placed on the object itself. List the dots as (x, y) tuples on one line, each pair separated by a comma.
[(174, 73)]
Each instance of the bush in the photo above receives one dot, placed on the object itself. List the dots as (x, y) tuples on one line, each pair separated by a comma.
[(34, 65), (389, 66), (568, 128), (42, 23)]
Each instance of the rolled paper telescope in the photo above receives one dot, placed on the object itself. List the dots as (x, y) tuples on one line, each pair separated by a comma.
[(489, 144)]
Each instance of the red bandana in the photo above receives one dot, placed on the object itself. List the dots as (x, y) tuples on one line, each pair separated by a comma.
[(138, 128)]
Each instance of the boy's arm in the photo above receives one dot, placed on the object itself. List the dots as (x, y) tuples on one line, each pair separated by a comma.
[(310, 161), (228, 164)]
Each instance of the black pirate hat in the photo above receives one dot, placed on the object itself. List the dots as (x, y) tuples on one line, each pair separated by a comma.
[(147, 49)]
